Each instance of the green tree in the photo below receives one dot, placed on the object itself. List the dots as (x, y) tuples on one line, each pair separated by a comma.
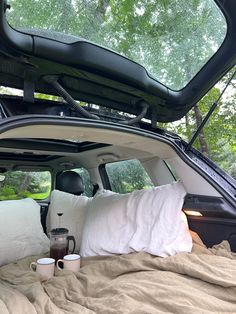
[(127, 176), (19, 184)]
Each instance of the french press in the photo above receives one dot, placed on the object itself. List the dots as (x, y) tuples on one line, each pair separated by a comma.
[(59, 242)]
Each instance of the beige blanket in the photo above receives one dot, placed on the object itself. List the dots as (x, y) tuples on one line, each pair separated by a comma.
[(203, 281)]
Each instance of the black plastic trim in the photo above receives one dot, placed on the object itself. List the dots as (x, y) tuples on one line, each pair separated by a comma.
[(104, 176), (27, 157), (209, 206), (50, 145), (213, 230)]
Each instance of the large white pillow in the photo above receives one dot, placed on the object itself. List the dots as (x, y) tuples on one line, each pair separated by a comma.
[(73, 208), (148, 220), (21, 232)]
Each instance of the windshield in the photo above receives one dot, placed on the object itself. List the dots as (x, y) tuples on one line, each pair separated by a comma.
[(172, 39)]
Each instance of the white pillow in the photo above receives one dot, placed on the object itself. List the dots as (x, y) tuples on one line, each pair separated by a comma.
[(21, 232), (148, 220), (73, 208)]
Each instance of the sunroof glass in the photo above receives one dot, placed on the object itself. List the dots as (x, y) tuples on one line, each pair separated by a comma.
[(172, 39)]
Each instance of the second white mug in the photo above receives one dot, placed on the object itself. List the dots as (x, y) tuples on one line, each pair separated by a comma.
[(70, 262)]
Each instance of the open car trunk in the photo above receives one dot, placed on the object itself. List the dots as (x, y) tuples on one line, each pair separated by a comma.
[(99, 108)]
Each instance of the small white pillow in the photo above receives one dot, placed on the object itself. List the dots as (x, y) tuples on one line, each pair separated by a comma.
[(21, 232), (148, 220), (73, 208)]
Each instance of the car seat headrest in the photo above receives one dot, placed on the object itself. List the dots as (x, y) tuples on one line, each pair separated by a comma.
[(70, 182)]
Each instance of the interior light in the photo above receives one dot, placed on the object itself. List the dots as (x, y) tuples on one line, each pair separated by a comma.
[(193, 213)]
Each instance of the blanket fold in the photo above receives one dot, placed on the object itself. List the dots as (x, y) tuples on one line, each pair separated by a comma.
[(203, 281)]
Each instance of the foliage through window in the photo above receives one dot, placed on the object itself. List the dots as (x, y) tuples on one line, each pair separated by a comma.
[(20, 184), (88, 186), (127, 176)]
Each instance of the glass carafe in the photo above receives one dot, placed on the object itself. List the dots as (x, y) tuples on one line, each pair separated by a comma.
[(59, 243)]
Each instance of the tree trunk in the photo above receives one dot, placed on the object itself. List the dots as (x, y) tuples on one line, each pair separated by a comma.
[(187, 127), (24, 184), (202, 140), (102, 7)]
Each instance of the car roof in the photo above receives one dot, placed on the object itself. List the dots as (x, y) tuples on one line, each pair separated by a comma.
[(94, 74)]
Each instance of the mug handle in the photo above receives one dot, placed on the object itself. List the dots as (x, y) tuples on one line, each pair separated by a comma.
[(73, 239), (33, 266), (57, 264)]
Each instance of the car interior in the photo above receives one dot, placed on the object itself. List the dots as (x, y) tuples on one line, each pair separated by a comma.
[(148, 219), (92, 149)]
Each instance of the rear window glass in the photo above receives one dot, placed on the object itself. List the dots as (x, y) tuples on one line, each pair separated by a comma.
[(128, 176), (20, 184), (88, 186), (171, 39)]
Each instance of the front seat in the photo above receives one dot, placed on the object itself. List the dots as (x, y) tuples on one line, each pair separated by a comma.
[(70, 182)]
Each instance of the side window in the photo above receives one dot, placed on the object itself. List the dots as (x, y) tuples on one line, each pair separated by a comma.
[(20, 184), (88, 186), (127, 176)]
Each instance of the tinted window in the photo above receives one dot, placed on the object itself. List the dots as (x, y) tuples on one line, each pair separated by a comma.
[(20, 184), (88, 186), (127, 176)]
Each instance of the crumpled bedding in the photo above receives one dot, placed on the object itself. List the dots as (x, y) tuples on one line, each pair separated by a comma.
[(203, 281)]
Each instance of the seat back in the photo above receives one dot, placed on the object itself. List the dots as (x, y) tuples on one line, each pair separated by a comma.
[(70, 182)]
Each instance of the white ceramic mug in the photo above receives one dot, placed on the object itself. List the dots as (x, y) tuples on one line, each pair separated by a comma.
[(44, 266), (70, 262)]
